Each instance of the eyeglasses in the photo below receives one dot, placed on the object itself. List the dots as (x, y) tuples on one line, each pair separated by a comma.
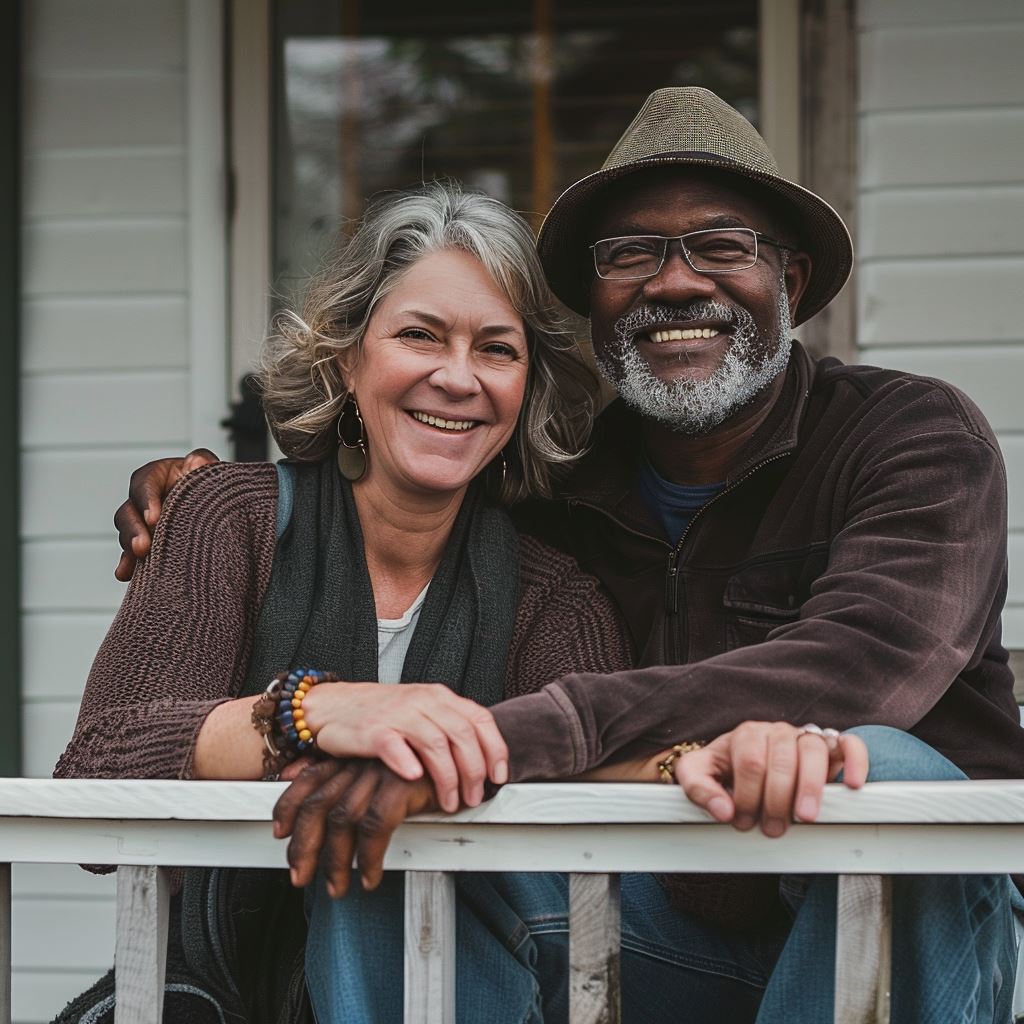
[(715, 251)]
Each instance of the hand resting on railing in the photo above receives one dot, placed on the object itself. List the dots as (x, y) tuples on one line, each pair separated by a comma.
[(767, 773)]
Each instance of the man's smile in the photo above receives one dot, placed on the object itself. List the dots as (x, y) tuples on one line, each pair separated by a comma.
[(681, 334)]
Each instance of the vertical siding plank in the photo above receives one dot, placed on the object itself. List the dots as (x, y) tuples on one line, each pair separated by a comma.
[(594, 949), (141, 949), (5, 944), (429, 947), (863, 949)]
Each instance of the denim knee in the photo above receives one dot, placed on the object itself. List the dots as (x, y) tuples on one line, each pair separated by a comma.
[(895, 755)]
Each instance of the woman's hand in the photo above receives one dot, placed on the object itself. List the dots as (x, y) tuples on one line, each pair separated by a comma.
[(412, 727), (136, 518), (345, 809), (769, 773)]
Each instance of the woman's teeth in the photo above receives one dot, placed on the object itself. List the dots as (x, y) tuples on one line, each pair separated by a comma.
[(687, 335), (436, 421)]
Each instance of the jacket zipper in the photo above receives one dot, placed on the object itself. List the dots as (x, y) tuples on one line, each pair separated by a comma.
[(674, 552), (672, 587)]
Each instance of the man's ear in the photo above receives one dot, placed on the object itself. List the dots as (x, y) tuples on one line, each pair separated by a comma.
[(797, 276)]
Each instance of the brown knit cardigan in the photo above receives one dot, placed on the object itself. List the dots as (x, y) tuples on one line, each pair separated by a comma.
[(181, 641)]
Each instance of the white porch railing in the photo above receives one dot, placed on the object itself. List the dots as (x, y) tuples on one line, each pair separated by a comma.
[(590, 831)]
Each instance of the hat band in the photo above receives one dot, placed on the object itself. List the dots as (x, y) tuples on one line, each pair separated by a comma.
[(691, 154)]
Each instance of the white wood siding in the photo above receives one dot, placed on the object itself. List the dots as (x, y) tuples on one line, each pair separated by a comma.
[(122, 354), (941, 213)]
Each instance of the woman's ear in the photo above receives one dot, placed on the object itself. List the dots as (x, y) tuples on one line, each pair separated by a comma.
[(348, 365)]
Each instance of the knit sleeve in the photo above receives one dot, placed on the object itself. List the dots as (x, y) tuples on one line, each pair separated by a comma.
[(181, 641), (565, 619)]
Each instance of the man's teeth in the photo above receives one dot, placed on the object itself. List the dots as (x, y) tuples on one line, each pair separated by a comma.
[(687, 335), (436, 421)]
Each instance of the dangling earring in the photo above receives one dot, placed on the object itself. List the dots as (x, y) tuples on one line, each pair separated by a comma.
[(351, 441)]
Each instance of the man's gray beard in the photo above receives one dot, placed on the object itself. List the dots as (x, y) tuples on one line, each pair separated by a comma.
[(696, 407)]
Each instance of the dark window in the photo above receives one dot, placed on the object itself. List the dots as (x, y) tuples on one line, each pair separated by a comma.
[(516, 98)]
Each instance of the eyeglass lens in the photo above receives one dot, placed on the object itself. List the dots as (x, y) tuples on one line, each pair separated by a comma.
[(708, 252)]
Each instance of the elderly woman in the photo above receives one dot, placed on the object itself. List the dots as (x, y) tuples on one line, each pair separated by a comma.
[(426, 383)]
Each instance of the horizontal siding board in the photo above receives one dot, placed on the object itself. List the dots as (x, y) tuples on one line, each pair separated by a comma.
[(66, 935), (50, 726), (38, 996), (104, 184), (917, 67), (953, 222), (941, 148), (953, 300), (70, 575), (105, 351), (990, 376), (97, 481), (879, 13), (57, 651), (94, 257), (1015, 548), (112, 333), (104, 35), (1013, 453), (1013, 627), (83, 410), (88, 112)]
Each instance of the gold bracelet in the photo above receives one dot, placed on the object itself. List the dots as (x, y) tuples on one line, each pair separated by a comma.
[(666, 766)]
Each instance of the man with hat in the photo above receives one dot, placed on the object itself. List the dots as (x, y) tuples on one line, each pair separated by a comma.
[(789, 540)]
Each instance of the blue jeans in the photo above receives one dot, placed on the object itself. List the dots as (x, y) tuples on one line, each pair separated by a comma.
[(953, 945)]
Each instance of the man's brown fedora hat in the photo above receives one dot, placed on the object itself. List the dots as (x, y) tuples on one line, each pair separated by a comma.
[(692, 127)]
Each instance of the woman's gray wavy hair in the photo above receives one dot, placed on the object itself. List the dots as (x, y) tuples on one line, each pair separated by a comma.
[(302, 384)]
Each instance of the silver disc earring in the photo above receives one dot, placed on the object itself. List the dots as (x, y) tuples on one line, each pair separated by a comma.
[(351, 441)]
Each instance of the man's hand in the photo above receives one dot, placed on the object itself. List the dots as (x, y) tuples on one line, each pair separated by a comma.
[(345, 809), (137, 517), (769, 773)]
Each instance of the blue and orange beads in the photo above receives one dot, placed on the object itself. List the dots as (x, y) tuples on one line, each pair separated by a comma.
[(291, 720)]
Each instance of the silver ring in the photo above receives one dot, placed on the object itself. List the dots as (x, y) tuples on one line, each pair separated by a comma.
[(830, 736)]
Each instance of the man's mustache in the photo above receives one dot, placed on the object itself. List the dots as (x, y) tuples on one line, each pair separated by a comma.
[(646, 316)]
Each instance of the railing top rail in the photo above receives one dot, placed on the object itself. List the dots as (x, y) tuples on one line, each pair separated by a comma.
[(975, 802), (887, 828)]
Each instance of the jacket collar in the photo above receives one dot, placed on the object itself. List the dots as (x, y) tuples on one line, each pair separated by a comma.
[(607, 474)]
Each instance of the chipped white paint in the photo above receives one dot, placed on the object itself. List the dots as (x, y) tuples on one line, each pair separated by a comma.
[(429, 990)]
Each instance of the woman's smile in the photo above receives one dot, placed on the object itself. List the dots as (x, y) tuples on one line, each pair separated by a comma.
[(441, 422)]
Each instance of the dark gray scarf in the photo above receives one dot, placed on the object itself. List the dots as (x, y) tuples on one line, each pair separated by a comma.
[(242, 932), (319, 610)]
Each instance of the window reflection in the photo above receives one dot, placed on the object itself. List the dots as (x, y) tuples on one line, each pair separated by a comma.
[(518, 99)]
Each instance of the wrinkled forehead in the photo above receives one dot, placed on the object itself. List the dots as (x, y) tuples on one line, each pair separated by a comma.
[(674, 200)]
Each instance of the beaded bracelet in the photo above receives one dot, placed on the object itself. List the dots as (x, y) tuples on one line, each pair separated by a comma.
[(278, 717)]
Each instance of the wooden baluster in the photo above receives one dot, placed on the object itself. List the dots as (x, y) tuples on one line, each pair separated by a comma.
[(140, 951), (429, 947), (5, 944), (863, 949), (594, 949)]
